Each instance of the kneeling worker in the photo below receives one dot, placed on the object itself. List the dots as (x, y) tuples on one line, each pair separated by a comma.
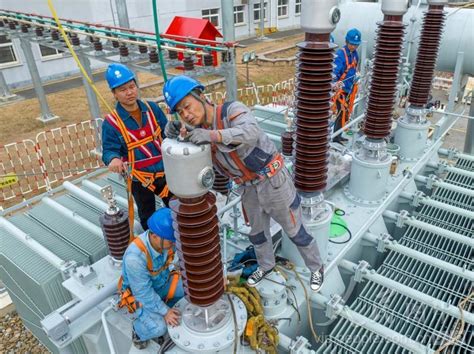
[(148, 286), (242, 151)]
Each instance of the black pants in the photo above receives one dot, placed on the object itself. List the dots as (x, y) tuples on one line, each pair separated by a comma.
[(145, 199), (340, 110)]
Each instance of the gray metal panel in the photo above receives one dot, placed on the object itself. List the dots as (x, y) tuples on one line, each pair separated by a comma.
[(74, 234), (48, 239)]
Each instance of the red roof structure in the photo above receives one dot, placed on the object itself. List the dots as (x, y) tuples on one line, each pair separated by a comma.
[(195, 29)]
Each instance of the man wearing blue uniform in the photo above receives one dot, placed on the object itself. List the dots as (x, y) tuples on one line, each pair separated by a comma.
[(345, 78), (148, 284), (133, 133)]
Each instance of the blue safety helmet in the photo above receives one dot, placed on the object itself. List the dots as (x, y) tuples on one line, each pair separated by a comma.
[(118, 74), (161, 224), (178, 88), (354, 36)]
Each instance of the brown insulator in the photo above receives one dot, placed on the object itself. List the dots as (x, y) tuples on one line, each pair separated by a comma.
[(221, 183), (91, 38), (208, 60), (75, 40), (198, 247), (428, 49), (123, 50), (2, 24), (287, 139), (313, 102), (143, 49), (153, 56), (226, 56), (172, 54), (11, 25), (39, 31), (115, 44), (116, 229), (387, 57), (188, 63), (98, 45), (54, 35), (24, 28)]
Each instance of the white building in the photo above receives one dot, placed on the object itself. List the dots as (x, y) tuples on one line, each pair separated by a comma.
[(279, 14)]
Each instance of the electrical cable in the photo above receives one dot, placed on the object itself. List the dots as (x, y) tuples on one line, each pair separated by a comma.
[(347, 229)]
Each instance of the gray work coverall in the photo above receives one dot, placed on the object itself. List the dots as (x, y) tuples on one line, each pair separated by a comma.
[(273, 197)]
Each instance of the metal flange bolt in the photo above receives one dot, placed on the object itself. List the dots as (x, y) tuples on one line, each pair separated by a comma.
[(418, 197), (361, 269), (402, 218), (442, 167), (452, 153), (383, 241), (432, 179), (334, 306)]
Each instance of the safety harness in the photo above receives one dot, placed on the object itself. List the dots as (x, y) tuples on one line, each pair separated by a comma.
[(248, 177), (126, 297), (339, 96), (137, 139)]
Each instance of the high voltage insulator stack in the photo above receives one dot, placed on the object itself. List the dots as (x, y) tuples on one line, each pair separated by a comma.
[(427, 53), (383, 86)]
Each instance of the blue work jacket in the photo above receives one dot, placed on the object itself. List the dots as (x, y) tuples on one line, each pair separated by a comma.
[(145, 288), (113, 143), (341, 66)]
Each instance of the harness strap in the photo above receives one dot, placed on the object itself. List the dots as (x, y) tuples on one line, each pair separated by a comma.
[(247, 174), (174, 284)]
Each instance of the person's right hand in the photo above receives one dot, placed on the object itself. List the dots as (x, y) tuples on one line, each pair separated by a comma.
[(172, 317), (116, 165), (172, 129)]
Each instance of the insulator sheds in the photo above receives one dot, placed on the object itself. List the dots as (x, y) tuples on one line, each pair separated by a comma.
[(123, 50), (427, 54), (75, 40), (383, 86), (54, 35), (116, 229), (208, 60), (2, 24), (143, 49), (198, 247), (24, 28), (153, 56), (221, 183), (287, 139), (11, 25), (39, 31), (172, 54), (115, 44), (98, 45), (188, 63), (313, 96)]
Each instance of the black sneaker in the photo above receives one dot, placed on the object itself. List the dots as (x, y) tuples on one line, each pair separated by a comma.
[(139, 344), (257, 276), (316, 280)]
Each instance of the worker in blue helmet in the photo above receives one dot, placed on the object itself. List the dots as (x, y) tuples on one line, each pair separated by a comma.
[(131, 141), (345, 80), (243, 152), (150, 286)]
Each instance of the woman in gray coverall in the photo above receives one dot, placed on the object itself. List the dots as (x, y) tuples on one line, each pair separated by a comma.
[(242, 151)]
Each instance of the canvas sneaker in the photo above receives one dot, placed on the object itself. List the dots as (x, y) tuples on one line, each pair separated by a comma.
[(257, 276), (316, 280)]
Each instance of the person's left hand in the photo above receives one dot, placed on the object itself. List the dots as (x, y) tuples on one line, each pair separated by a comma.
[(201, 136)]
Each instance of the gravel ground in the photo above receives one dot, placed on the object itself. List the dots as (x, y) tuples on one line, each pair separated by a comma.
[(16, 338)]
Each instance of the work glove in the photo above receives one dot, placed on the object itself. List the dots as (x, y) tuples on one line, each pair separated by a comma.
[(172, 129), (201, 136)]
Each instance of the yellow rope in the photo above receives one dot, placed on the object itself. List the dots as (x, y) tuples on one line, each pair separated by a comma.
[(74, 55)]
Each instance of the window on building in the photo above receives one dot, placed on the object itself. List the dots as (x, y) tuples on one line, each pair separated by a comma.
[(297, 7), (282, 8), (49, 53), (212, 15), (256, 11), (8, 54), (239, 18)]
